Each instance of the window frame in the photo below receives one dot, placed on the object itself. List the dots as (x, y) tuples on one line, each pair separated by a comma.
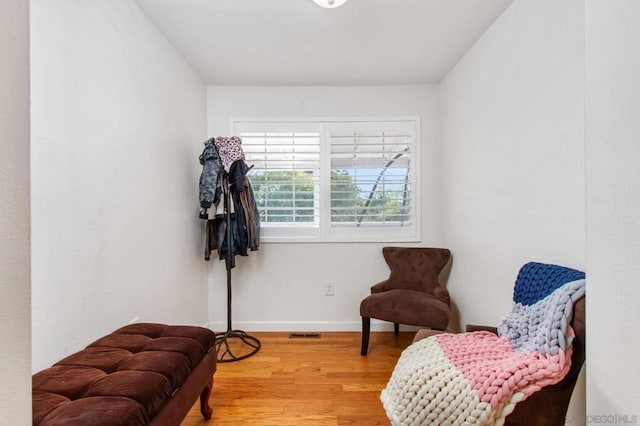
[(324, 232)]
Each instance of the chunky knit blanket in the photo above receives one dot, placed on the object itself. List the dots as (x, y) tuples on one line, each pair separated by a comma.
[(477, 378)]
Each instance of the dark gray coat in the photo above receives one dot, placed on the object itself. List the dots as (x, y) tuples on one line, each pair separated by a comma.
[(211, 167)]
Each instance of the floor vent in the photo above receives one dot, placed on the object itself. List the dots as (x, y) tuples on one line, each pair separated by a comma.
[(304, 335)]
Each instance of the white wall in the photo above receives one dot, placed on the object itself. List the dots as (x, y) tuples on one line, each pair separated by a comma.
[(15, 282), (513, 160), (280, 287), (613, 206), (118, 117), (513, 157)]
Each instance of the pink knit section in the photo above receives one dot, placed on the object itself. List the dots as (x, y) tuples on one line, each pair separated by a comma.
[(495, 370)]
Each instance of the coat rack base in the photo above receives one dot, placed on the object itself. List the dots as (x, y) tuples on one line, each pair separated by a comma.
[(235, 345)]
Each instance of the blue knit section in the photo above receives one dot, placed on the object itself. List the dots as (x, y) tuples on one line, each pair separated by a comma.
[(538, 280)]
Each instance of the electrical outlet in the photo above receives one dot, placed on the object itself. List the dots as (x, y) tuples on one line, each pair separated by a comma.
[(329, 288)]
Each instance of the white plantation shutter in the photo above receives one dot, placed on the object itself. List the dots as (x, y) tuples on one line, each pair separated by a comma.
[(285, 174), (334, 179), (372, 174)]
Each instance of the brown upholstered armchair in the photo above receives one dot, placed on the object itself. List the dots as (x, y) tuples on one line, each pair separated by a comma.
[(414, 293)]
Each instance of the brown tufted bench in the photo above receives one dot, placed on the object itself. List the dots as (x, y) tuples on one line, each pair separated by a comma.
[(141, 374)]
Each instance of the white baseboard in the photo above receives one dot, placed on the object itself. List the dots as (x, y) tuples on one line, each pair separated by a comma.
[(315, 326)]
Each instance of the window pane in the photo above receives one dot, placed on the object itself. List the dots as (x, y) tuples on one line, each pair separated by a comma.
[(285, 175), (371, 178)]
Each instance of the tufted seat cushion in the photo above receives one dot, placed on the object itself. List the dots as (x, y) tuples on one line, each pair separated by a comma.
[(125, 378)]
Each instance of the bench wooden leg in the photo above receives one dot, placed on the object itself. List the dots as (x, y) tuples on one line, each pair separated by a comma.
[(205, 409)]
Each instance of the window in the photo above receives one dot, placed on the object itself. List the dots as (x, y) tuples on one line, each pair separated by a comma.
[(334, 180)]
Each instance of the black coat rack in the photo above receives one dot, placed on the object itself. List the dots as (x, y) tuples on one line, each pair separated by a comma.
[(232, 345)]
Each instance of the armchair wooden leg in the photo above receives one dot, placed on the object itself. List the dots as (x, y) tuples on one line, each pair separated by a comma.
[(366, 326), (396, 328)]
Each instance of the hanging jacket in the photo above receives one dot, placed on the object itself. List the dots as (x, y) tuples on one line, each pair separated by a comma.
[(239, 184), (252, 215), (235, 227), (237, 173), (211, 167)]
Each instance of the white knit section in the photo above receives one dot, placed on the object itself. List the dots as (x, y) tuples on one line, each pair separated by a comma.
[(425, 388)]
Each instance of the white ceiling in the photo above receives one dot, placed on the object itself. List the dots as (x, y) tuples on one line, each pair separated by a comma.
[(297, 43)]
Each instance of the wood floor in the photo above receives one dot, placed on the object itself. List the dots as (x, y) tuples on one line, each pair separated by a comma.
[(305, 382)]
